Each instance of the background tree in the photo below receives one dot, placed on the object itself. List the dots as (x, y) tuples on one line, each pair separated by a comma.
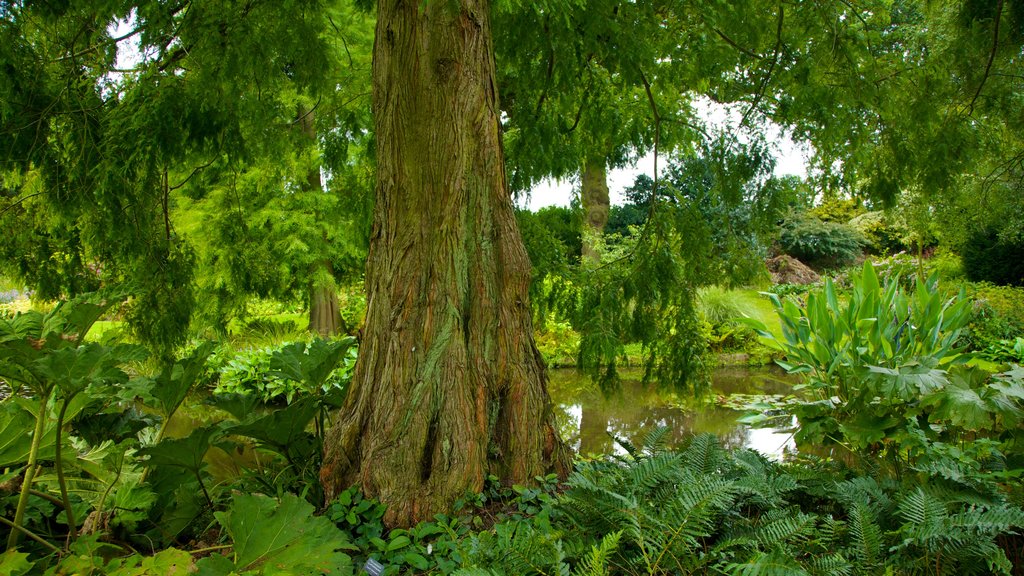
[(98, 157)]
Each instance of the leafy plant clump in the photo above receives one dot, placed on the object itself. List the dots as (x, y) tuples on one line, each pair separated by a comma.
[(820, 244), (886, 378), (264, 372)]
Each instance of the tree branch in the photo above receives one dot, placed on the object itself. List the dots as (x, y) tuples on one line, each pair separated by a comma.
[(991, 57), (768, 76), (732, 43)]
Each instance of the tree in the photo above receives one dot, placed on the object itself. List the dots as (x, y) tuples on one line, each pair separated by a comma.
[(103, 167), (449, 386)]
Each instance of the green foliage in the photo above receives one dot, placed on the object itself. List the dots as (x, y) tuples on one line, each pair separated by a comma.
[(997, 321), (282, 372), (838, 210), (279, 537), (991, 257), (882, 235), (558, 343), (884, 374), (818, 243)]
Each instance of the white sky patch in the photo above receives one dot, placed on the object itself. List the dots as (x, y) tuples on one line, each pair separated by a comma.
[(790, 159)]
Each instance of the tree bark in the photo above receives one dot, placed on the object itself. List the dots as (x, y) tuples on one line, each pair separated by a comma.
[(324, 310), (596, 204), (449, 386)]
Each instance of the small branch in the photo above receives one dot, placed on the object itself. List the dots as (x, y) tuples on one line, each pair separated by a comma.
[(29, 533), (767, 77), (991, 57), (19, 201), (48, 497), (195, 171), (733, 43), (211, 549), (657, 141), (307, 114)]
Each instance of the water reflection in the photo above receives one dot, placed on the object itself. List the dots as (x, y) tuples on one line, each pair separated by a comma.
[(588, 420)]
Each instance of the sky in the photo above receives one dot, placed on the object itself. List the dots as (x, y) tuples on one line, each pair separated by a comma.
[(791, 158)]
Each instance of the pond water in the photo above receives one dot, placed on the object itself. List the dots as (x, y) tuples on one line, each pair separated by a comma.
[(588, 419)]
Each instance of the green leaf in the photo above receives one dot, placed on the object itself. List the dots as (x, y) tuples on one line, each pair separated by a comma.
[(311, 364), (169, 562), (15, 443), (174, 382), (185, 452), (398, 543), (284, 537), (241, 407), (282, 429), (416, 560), (14, 563)]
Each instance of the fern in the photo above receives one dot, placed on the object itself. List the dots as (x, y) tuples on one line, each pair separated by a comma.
[(773, 564), (866, 547), (656, 439), (596, 562), (704, 455)]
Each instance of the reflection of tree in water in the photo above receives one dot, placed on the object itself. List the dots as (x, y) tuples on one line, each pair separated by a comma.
[(588, 419)]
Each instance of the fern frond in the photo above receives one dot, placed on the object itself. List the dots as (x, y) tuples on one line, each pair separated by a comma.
[(924, 514), (596, 562), (656, 439), (704, 455), (654, 471), (831, 565), (867, 537), (761, 564)]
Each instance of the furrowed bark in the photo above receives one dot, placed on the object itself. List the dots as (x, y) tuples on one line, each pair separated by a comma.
[(449, 386)]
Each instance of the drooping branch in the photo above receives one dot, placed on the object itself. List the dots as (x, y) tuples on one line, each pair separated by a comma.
[(657, 141), (991, 57), (771, 68)]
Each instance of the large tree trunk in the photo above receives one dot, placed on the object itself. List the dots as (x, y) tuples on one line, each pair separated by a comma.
[(324, 310), (596, 204), (449, 386)]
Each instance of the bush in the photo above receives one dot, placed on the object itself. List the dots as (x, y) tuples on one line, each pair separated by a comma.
[(820, 244), (882, 235), (998, 316), (989, 257)]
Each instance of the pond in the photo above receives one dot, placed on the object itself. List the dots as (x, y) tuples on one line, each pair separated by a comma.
[(588, 420)]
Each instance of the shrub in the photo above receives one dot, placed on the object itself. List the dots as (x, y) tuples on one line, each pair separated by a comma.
[(837, 210), (882, 235), (820, 244), (989, 257)]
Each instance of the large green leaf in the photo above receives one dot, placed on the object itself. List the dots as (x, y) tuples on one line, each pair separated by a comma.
[(172, 385), (284, 537), (17, 421), (71, 320), (283, 430), (310, 364), (73, 369), (185, 452)]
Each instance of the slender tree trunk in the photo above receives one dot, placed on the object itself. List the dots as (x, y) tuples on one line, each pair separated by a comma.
[(324, 310), (594, 191), (449, 386)]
